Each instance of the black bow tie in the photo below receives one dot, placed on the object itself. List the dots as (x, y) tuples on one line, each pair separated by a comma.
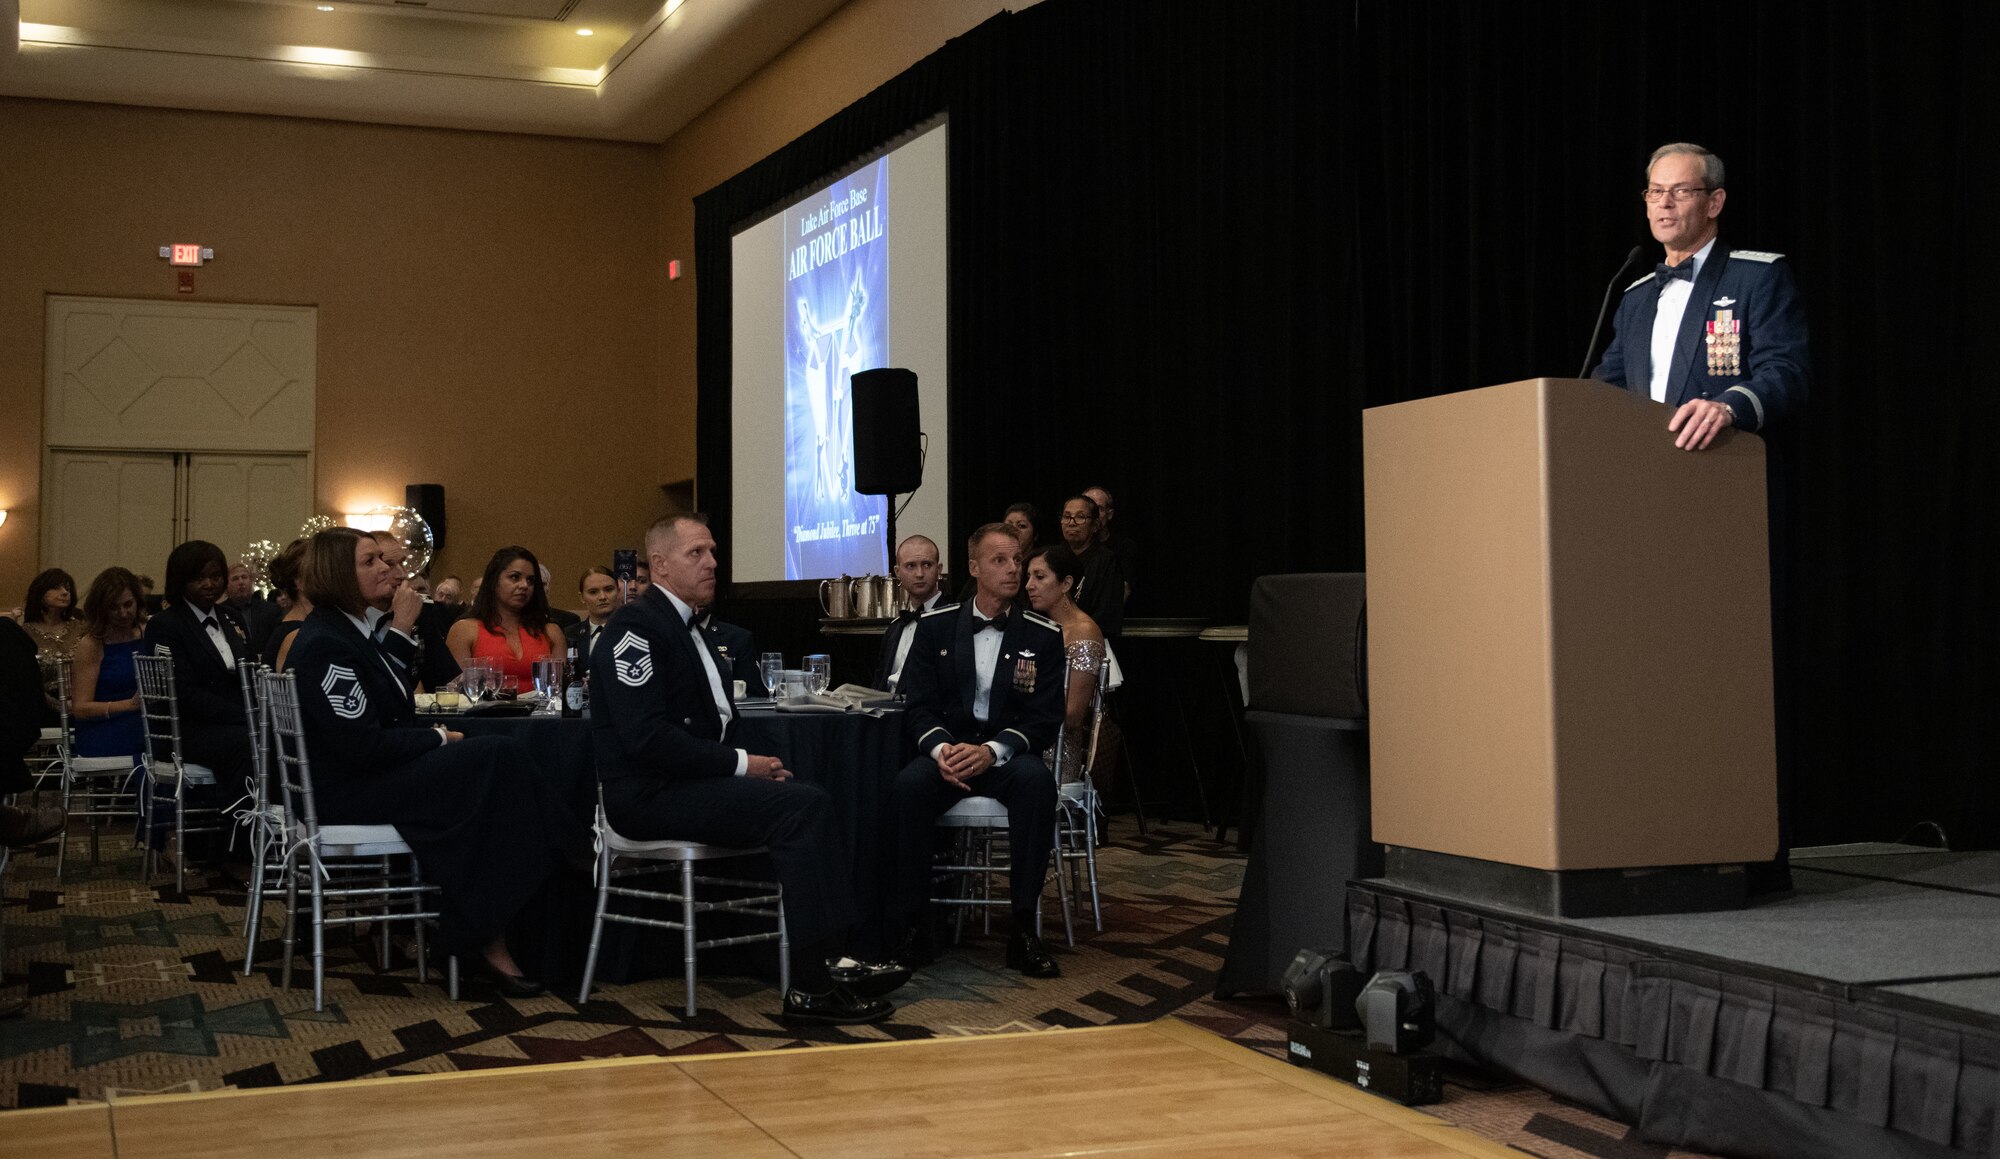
[(997, 623), (1664, 273), (906, 615)]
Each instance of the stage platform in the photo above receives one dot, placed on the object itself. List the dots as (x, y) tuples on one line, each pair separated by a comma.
[(1857, 1015), (1160, 1089)]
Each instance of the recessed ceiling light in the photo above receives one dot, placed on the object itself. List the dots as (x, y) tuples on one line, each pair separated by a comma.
[(325, 7), (585, 32)]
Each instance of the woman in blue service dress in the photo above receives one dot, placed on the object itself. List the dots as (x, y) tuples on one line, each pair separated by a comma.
[(487, 827)]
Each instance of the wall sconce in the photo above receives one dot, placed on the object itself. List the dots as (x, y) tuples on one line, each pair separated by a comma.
[(376, 520), (3, 517)]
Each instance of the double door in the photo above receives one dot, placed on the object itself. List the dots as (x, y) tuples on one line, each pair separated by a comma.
[(129, 508), (166, 421)]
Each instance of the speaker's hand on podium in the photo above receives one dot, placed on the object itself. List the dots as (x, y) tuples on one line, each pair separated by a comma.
[(1698, 421)]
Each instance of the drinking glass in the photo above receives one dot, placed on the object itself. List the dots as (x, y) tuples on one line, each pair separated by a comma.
[(549, 682), (819, 673), (510, 687), (771, 665)]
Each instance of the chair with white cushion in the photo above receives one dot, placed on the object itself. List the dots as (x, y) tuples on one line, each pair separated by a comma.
[(346, 867), (167, 774), (1077, 803), (261, 818), (96, 790), (980, 853), (663, 856)]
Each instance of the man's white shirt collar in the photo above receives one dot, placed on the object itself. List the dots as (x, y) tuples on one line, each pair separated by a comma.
[(1701, 255)]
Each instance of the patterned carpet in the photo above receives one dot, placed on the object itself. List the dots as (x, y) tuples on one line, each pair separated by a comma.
[(135, 989)]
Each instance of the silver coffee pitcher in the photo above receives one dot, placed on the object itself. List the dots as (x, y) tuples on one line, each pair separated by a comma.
[(874, 597), (836, 597)]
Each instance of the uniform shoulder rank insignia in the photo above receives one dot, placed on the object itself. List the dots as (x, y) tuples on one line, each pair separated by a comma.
[(1755, 255), (1644, 278), (939, 611), (632, 659), (344, 693), (1044, 621)]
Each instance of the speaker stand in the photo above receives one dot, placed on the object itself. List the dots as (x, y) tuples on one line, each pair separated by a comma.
[(891, 524)]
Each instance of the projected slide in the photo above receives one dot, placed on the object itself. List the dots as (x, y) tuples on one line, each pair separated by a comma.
[(837, 296), (817, 288)]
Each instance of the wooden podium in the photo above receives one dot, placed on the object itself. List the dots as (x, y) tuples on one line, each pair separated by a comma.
[(1569, 651)]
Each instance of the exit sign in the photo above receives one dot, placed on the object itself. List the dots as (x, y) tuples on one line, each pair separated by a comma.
[(186, 255)]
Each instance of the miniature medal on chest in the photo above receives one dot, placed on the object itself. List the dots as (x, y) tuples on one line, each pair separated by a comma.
[(1725, 341), (1024, 673)]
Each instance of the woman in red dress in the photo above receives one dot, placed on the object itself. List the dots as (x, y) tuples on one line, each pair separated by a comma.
[(509, 620)]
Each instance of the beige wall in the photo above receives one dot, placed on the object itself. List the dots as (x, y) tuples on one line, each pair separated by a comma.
[(852, 52), (479, 295), (488, 305)]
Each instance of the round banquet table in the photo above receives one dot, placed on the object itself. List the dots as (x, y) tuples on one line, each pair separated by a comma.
[(853, 757)]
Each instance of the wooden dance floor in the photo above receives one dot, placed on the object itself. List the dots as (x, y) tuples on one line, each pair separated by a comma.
[(1158, 1089)]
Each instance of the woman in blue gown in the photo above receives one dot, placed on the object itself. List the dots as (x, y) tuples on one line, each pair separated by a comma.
[(104, 685)]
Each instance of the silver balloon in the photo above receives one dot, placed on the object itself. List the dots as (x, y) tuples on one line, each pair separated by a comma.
[(259, 556), (406, 525)]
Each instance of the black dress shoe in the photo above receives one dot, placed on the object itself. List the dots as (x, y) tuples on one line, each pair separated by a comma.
[(509, 985), (837, 1007), (866, 979), (1027, 954)]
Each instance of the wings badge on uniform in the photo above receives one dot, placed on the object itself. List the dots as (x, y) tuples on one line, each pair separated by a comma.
[(632, 657), (343, 692)]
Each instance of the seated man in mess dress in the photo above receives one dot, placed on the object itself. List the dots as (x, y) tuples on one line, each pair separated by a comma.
[(985, 685), (662, 725)]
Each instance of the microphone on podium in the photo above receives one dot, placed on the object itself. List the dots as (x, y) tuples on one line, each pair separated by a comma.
[(1590, 352)]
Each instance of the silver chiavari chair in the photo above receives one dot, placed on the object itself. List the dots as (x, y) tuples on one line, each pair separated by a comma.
[(260, 818), (95, 790), (1077, 802), (980, 852), (168, 773), (664, 856), (345, 867)]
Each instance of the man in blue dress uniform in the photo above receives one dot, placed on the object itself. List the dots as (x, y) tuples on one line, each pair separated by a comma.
[(985, 685), (663, 728), (1720, 336), (1717, 334)]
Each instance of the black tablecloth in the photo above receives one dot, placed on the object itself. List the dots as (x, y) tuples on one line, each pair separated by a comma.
[(853, 757), (1312, 839)]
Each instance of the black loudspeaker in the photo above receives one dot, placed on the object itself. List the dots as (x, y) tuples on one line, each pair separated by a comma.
[(888, 458), (1309, 644), (427, 500)]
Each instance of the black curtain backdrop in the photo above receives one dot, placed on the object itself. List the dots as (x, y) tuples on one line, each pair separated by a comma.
[(1189, 244)]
